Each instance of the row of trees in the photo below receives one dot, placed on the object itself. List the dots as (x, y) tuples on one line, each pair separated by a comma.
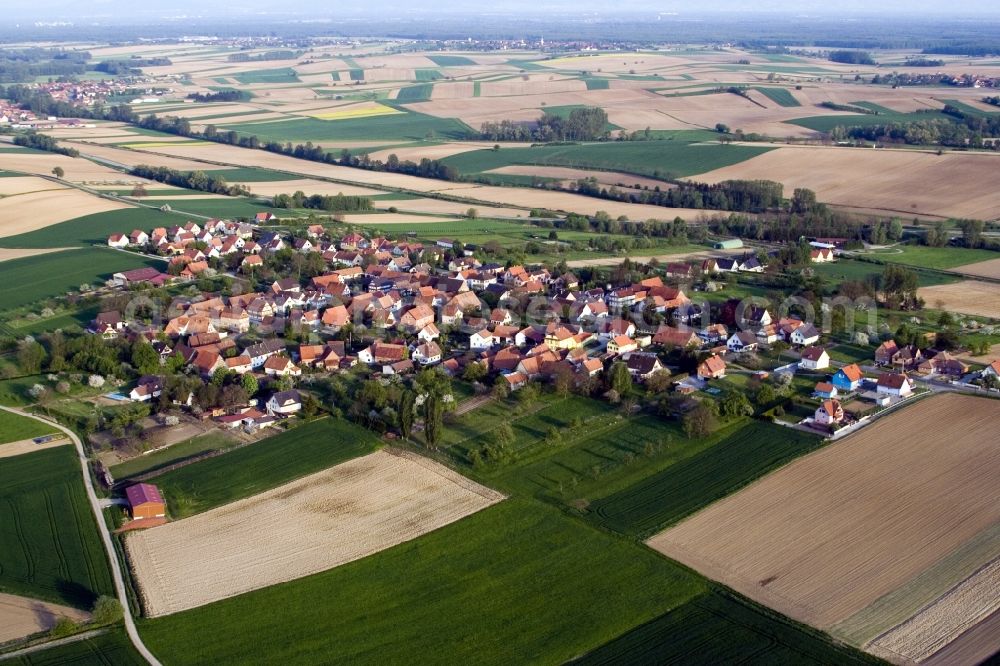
[(960, 130), (192, 180), (44, 142), (852, 57), (221, 96), (585, 124), (337, 203), (747, 196)]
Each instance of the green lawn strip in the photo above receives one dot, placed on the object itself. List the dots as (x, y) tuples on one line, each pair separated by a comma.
[(519, 582), (902, 603), (681, 489), (401, 126), (30, 280), (91, 229), (850, 353), (644, 158), (848, 269), (14, 428), (250, 175), (417, 93), (966, 108), (111, 648), (721, 628), (476, 89), (49, 544), (427, 74), (451, 60), (827, 123), (212, 441), (780, 96), (936, 257), (263, 465), (229, 207), (282, 75)]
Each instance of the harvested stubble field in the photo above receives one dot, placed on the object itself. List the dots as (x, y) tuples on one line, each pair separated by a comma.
[(28, 212), (22, 616), (967, 297), (905, 181), (989, 268), (316, 523), (828, 535), (942, 622)]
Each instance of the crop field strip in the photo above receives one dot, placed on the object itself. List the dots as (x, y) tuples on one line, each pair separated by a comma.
[(313, 524), (110, 648), (943, 509), (691, 483), (263, 465), (49, 548)]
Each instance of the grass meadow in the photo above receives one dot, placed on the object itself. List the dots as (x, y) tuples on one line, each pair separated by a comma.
[(661, 158), (34, 279), (409, 126), (111, 648), (14, 428), (95, 229)]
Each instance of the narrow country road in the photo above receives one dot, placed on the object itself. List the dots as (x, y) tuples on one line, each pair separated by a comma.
[(109, 547), (75, 638)]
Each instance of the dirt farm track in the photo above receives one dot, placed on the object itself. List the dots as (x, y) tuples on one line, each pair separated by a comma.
[(316, 523), (830, 534)]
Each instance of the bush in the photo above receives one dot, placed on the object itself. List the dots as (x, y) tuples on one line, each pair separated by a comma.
[(95, 381), (63, 627), (107, 610)]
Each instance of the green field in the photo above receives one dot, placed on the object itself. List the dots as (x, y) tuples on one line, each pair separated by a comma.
[(420, 93), (780, 96), (971, 110), (848, 269), (517, 583), (666, 158), (111, 648), (264, 465), (212, 441), (34, 279), (827, 123), (250, 175), (721, 628), (935, 257), (228, 208), (283, 75), (427, 75), (49, 544), (14, 428), (96, 228), (596, 83), (666, 497), (450, 60), (410, 126)]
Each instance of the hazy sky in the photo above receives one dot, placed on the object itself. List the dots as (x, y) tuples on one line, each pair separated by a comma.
[(52, 9)]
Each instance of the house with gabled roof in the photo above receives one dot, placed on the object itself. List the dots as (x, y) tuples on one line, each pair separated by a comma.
[(814, 358), (848, 378), (713, 367), (830, 412)]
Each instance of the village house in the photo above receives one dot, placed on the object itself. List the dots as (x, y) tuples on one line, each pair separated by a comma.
[(149, 387), (894, 384), (742, 341), (382, 353), (814, 358), (848, 378), (712, 367), (829, 413), (427, 353), (805, 335), (621, 344), (284, 403), (821, 255), (825, 390), (642, 366)]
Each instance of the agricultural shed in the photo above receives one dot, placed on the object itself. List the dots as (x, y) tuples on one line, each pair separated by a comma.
[(729, 244), (145, 501)]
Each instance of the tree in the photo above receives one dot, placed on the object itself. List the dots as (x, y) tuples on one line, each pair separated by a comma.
[(107, 610), (722, 128), (405, 408), (700, 421), (474, 372), (472, 213), (765, 396), (972, 232), (619, 378), (433, 413), (139, 191), (58, 172), (658, 382), (144, 358), (249, 384), (735, 404), (30, 356)]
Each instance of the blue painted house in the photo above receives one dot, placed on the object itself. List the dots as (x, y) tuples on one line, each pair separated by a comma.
[(848, 378)]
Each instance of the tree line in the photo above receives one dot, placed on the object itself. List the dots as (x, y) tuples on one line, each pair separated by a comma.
[(44, 142), (192, 180), (851, 57), (221, 96), (959, 129), (337, 203), (586, 124), (747, 196)]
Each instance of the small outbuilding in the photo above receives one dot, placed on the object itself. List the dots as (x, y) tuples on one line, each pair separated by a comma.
[(728, 244), (145, 502)]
